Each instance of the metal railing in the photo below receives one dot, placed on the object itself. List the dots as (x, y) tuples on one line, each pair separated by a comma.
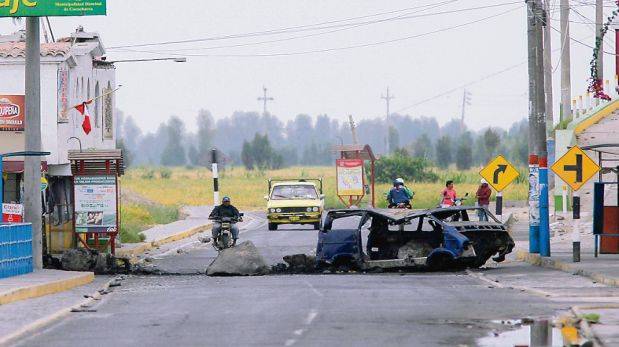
[(15, 249)]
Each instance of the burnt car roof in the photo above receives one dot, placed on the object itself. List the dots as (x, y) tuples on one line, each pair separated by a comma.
[(395, 215)]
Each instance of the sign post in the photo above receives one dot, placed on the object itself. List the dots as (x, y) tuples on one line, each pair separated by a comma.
[(350, 180), (575, 168), (499, 173)]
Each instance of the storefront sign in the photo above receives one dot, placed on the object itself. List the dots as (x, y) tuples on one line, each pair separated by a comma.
[(42, 8), (12, 112), (12, 213), (108, 114), (63, 96), (349, 177), (95, 203)]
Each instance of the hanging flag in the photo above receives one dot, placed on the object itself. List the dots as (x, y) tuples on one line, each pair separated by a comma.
[(83, 110)]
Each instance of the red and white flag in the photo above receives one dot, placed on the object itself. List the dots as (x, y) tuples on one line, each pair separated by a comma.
[(83, 110)]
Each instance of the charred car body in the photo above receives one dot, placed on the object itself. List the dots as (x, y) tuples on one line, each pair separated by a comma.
[(453, 237)]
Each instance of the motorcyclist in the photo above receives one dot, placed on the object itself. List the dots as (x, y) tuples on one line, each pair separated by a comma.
[(408, 191), (448, 195), (225, 210), (397, 195)]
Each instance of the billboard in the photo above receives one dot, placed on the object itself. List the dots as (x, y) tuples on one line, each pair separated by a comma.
[(95, 203), (349, 177), (12, 213), (12, 112), (43, 8)]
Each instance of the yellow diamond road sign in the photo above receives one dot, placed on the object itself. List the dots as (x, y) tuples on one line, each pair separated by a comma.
[(499, 173), (575, 167)]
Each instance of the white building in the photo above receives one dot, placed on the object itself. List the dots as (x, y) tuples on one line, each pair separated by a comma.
[(72, 72)]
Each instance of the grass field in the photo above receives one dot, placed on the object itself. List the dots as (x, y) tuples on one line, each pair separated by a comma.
[(137, 217), (183, 186)]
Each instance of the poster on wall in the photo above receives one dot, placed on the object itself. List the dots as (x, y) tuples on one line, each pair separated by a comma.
[(12, 112), (95, 203), (349, 177), (108, 114), (63, 96), (12, 213)]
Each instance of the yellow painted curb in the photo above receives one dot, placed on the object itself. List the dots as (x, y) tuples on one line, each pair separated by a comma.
[(146, 246), (42, 289), (596, 117)]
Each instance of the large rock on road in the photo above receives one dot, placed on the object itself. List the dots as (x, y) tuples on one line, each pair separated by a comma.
[(242, 260)]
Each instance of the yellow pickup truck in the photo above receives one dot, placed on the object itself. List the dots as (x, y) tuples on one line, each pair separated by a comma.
[(295, 201)]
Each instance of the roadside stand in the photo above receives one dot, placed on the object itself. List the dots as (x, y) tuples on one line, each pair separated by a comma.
[(96, 193), (350, 172)]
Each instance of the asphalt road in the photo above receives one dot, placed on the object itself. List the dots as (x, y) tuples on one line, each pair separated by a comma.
[(418, 309)]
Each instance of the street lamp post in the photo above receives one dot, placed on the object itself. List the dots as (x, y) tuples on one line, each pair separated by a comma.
[(174, 59)]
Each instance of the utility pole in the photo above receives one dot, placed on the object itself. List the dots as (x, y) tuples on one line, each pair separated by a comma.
[(353, 130), (264, 100), (550, 142), (566, 86), (466, 100), (32, 164), (542, 149), (599, 18), (388, 99), (533, 150)]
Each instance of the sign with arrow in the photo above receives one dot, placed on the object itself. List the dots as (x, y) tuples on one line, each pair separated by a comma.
[(575, 168), (499, 173)]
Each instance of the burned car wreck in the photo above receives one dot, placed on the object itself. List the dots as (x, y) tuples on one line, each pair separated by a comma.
[(444, 238)]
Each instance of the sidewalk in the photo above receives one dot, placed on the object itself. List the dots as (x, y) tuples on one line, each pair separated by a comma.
[(196, 222), (40, 283), (604, 270)]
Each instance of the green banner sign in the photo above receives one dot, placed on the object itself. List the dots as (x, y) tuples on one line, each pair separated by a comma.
[(50, 8)]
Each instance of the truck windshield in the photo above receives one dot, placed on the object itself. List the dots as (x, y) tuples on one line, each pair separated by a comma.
[(293, 192)]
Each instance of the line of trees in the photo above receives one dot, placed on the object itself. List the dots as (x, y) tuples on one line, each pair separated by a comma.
[(264, 141)]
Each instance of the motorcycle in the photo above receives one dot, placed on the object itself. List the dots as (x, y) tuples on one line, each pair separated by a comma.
[(402, 205), (224, 239), (457, 202)]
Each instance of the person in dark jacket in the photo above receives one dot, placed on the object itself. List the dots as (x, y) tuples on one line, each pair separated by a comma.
[(483, 199), (225, 210)]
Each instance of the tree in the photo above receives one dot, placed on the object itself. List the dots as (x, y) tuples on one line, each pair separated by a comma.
[(193, 155), (247, 156), (393, 138), (174, 152), (443, 151), (204, 138), (491, 142), (422, 147), (464, 152)]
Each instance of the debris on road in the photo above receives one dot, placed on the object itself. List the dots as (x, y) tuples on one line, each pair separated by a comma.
[(242, 260), (81, 259), (300, 263)]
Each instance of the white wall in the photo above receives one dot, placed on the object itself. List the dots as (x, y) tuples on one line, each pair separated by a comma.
[(55, 135)]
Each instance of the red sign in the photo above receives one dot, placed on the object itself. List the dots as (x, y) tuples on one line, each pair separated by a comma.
[(12, 213), (12, 114)]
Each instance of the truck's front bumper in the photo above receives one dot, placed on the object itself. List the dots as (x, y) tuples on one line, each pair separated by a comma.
[(294, 218)]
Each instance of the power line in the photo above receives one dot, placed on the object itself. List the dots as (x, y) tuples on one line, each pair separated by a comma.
[(351, 26), (376, 43), (317, 26)]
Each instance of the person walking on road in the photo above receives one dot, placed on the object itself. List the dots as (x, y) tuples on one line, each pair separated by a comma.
[(448, 195), (483, 199)]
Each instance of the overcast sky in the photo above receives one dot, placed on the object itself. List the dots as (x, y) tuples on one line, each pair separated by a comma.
[(428, 54)]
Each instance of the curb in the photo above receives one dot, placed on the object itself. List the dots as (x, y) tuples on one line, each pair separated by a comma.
[(146, 246), (42, 289), (585, 327), (45, 321), (537, 260)]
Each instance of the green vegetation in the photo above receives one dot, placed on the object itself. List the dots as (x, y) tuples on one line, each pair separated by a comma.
[(193, 187), (137, 217)]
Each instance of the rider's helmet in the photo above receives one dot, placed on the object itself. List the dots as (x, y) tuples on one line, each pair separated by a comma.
[(225, 199), (400, 181), (396, 183)]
